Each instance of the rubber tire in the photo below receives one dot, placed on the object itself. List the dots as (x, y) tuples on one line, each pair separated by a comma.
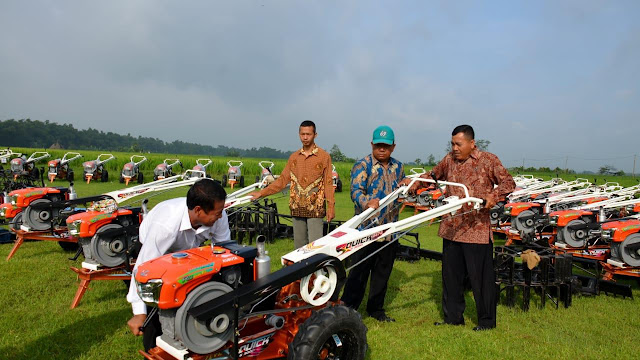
[(70, 176), (242, 181), (319, 328), (224, 181), (339, 186), (257, 178), (35, 173), (140, 178), (68, 246), (631, 260), (105, 176), (16, 221), (121, 179)]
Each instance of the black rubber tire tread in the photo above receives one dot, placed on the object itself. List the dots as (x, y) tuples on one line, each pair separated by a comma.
[(70, 176), (339, 186), (140, 178), (322, 324), (68, 246), (105, 176)]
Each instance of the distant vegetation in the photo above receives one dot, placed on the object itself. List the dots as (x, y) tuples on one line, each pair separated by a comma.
[(44, 134)]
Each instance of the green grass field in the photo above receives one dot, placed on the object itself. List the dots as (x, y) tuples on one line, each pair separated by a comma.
[(38, 287)]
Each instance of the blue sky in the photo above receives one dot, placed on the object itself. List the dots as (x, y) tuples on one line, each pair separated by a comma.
[(544, 81)]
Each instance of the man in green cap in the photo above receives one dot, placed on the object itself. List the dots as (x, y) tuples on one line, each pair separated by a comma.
[(372, 178)]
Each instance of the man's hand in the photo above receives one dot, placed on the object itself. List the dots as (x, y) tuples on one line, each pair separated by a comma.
[(330, 213), (374, 204), (136, 322), (255, 195), (490, 201)]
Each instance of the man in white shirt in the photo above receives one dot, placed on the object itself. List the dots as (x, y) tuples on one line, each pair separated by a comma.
[(176, 225)]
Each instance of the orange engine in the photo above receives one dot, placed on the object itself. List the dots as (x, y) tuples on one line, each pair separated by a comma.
[(562, 217), (617, 231), (518, 207), (86, 224)]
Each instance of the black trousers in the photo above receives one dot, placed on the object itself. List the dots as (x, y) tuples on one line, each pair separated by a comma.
[(460, 260), (379, 266), (151, 332)]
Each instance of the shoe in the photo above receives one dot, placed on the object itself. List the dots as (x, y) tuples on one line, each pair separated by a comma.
[(483, 328), (382, 317)]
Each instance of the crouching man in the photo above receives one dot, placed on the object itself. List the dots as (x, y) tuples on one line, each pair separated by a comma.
[(176, 225)]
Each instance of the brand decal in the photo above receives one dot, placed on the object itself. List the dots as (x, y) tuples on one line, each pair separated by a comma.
[(132, 193), (571, 214), (255, 347), (194, 273), (100, 217), (343, 248), (631, 227), (338, 234), (33, 193)]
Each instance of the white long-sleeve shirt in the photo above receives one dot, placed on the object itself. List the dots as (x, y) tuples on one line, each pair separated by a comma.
[(167, 229)]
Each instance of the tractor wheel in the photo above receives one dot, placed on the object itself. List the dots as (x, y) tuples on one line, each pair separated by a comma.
[(198, 338), (16, 222), (574, 238), (39, 220), (631, 256), (109, 250), (68, 246), (155, 177), (224, 180), (105, 176), (339, 186), (257, 178), (121, 179), (140, 178), (242, 181), (335, 332), (70, 176), (35, 173)]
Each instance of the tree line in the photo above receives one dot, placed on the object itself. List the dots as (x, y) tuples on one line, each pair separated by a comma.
[(43, 134)]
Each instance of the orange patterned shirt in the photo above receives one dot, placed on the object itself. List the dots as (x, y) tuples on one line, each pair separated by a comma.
[(311, 183), (480, 172)]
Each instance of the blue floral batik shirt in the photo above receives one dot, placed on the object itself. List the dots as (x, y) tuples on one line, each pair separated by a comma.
[(372, 180)]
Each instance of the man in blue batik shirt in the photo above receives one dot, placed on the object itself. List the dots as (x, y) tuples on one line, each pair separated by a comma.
[(373, 178)]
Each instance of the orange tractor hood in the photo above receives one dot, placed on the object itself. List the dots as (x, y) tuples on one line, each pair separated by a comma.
[(91, 221), (565, 216), (26, 196), (623, 228), (182, 271), (518, 207)]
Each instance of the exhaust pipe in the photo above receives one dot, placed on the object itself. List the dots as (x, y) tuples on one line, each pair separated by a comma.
[(72, 192), (262, 263)]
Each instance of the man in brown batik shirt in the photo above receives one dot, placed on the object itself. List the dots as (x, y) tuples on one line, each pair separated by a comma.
[(308, 170), (467, 248)]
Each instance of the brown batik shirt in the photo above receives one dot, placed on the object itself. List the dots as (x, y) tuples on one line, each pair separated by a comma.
[(480, 172), (311, 183)]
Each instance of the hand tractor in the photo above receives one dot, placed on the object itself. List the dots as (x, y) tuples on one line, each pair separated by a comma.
[(94, 169), (266, 172), (21, 213), (109, 234), (165, 169), (223, 302), (59, 168), (335, 177), (234, 174), (200, 169), (21, 166), (6, 155), (131, 170)]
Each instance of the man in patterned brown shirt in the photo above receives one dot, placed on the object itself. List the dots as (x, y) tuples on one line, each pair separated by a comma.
[(308, 170), (467, 248)]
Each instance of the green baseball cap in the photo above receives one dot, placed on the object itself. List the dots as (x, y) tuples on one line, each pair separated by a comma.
[(383, 135)]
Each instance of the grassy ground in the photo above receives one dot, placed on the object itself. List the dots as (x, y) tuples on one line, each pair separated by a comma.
[(38, 287)]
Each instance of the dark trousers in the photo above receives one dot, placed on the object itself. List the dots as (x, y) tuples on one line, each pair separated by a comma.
[(379, 266), (460, 260), (151, 332)]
